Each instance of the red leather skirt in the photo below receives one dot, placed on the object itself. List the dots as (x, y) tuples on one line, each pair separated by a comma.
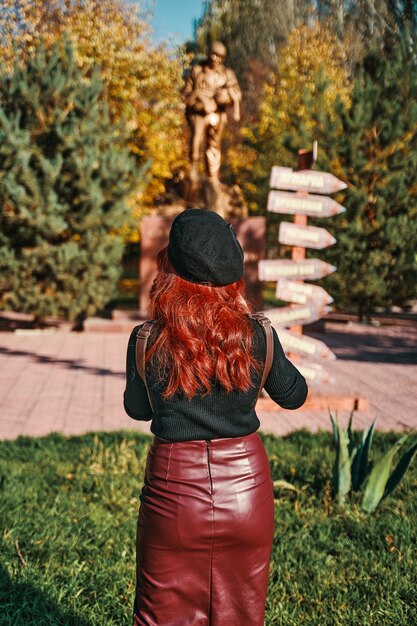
[(204, 533)]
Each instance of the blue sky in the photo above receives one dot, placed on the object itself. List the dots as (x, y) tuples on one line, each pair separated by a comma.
[(173, 19)]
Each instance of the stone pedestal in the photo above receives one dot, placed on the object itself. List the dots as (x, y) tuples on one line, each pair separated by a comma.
[(203, 192)]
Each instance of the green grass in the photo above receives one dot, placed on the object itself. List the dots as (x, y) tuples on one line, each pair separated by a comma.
[(72, 503)]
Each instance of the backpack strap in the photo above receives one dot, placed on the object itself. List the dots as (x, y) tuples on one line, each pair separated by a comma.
[(141, 341), (265, 322)]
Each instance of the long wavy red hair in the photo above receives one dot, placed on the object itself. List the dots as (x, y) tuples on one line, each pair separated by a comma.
[(204, 333)]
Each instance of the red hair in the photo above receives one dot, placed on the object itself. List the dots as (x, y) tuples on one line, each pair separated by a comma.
[(204, 333)]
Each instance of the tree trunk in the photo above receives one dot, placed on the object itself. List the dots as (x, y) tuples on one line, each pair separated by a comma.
[(78, 326)]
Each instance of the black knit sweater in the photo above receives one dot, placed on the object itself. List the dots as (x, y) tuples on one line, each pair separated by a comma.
[(220, 413)]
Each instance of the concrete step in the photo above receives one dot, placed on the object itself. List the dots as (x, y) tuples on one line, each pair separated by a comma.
[(128, 314), (100, 325)]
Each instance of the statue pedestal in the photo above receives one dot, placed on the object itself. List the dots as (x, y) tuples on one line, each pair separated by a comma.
[(154, 237), (210, 193)]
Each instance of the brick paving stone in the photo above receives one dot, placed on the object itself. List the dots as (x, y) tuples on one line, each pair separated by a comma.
[(73, 383)]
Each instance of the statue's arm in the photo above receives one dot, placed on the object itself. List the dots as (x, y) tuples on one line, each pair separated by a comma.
[(190, 91)]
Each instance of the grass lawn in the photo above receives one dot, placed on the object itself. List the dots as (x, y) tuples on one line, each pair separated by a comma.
[(69, 506)]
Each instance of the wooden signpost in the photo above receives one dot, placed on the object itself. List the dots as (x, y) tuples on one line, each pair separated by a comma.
[(309, 236), (287, 316), (301, 293), (303, 204), (300, 344), (308, 268), (315, 373), (300, 193), (305, 180)]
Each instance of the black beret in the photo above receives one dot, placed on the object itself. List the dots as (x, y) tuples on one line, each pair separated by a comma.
[(203, 248)]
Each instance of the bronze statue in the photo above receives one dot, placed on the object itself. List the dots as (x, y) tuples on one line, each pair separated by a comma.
[(209, 90)]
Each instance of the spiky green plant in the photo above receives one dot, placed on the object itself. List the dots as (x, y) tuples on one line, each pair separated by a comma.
[(352, 468)]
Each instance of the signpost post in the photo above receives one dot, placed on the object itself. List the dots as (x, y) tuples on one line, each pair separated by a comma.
[(301, 193)]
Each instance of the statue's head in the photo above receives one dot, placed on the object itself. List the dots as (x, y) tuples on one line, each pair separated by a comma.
[(217, 53)]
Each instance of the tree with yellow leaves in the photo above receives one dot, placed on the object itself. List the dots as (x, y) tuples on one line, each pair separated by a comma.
[(143, 81), (311, 57)]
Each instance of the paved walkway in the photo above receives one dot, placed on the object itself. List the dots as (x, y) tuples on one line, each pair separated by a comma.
[(73, 383)]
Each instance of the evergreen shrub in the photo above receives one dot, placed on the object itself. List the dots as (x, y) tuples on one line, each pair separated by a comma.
[(65, 181)]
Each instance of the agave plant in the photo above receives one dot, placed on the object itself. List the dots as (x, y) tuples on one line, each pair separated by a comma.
[(352, 468)]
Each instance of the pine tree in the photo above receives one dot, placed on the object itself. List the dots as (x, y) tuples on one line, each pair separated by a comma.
[(373, 147), (65, 179)]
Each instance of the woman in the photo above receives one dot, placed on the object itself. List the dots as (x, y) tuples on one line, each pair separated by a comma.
[(206, 520)]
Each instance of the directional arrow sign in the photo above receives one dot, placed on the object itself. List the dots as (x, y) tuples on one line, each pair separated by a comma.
[(306, 269), (300, 344), (301, 293), (305, 180), (315, 373), (291, 315), (306, 236), (300, 204)]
